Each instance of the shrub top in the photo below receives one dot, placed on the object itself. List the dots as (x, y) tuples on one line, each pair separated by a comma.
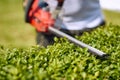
[(64, 60)]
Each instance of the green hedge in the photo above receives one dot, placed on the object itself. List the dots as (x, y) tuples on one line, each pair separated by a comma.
[(64, 60)]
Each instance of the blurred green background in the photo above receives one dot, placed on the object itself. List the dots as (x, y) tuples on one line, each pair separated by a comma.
[(14, 32)]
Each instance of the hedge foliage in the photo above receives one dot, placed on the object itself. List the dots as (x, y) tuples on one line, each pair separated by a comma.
[(64, 60)]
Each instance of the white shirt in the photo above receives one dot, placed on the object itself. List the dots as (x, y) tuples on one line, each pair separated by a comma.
[(79, 14)]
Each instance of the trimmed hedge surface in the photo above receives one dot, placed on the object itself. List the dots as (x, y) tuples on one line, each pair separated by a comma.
[(64, 60)]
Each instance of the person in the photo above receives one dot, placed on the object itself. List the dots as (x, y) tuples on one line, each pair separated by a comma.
[(74, 18)]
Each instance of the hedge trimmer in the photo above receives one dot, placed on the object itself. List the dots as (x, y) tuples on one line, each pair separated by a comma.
[(33, 15)]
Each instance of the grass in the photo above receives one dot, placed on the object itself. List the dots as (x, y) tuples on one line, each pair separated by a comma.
[(14, 32), (112, 17)]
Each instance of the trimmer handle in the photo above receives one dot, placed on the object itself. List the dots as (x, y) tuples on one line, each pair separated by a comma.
[(27, 9)]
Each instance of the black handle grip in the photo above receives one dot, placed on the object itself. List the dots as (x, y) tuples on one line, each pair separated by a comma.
[(42, 4), (27, 9)]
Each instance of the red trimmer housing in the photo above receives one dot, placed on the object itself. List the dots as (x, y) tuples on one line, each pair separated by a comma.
[(38, 17)]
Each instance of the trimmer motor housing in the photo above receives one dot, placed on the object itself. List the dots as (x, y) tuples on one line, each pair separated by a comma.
[(37, 16)]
